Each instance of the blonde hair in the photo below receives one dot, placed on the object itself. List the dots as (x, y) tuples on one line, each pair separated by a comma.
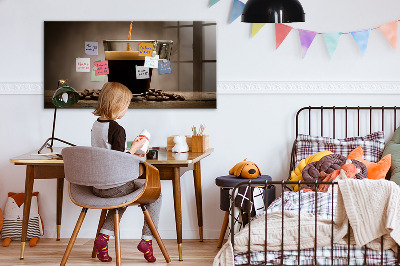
[(112, 99)]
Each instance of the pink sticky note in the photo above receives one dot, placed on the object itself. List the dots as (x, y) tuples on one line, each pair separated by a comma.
[(102, 68)]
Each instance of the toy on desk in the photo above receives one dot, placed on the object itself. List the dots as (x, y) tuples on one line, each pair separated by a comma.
[(245, 169), (13, 215), (144, 134), (180, 144)]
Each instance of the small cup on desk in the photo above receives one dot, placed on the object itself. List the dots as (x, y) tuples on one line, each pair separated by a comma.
[(152, 155)]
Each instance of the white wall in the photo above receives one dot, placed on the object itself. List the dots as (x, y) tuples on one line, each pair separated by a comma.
[(257, 126)]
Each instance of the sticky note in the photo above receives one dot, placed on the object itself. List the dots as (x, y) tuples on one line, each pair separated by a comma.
[(151, 62), (145, 49), (164, 67), (91, 48), (142, 72), (83, 65), (102, 67), (98, 78)]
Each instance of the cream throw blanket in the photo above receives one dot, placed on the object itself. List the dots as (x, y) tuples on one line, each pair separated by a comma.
[(371, 206)]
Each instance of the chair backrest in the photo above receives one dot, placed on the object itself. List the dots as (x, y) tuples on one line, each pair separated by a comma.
[(92, 166)]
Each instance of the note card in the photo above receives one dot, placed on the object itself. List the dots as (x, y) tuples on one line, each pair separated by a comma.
[(142, 72), (151, 62), (83, 65), (164, 67), (92, 48), (102, 67), (99, 78), (145, 48)]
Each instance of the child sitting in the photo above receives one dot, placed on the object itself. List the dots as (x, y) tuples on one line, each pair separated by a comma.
[(106, 133)]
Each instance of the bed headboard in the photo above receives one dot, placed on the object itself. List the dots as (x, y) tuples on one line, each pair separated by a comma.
[(344, 121)]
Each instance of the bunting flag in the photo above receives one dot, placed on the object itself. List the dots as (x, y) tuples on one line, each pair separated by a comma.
[(213, 2), (306, 39), (256, 28), (361, 37), (389, 30), (281, 31), (237, 9), (332, 41)]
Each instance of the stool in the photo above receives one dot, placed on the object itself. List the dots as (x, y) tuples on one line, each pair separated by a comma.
[(226, 183)]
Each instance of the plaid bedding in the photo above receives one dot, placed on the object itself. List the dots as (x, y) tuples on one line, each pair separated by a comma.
[(372, 145), (322, 207)]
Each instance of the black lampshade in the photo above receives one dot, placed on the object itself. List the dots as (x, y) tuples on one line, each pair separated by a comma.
[(273, 11)]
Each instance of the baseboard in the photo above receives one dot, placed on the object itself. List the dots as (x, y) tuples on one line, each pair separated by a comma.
[(259, 87)]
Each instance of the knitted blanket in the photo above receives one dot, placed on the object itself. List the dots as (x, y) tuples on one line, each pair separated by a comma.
[(274, 235), (373, 209), (371, 206)]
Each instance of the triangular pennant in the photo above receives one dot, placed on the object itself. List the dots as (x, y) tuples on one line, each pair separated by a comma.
[(213, 2), (332, 41), (306, 39), (361, 37), (389, 30), (237, 9), (256, 28), (281, 31)]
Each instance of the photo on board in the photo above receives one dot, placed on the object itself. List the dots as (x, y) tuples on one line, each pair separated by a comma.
[(166, 64)]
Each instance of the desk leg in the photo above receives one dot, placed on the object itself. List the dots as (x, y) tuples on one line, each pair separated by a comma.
[(199, 204), (60, 190), (27, 206), (176, 182)]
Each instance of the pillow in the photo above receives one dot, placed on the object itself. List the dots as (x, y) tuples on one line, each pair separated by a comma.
[(296, 174), (375, 170), (372, 144), (393, 148)]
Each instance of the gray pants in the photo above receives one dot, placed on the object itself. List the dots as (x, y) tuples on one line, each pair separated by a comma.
[(153, 208)]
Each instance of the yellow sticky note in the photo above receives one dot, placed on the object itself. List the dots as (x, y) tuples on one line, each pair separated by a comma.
[(145, 48)]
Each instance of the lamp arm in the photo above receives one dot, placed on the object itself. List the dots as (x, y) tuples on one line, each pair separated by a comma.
[(54, 126)]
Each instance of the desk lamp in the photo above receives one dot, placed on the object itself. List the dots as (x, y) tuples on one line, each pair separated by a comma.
[(63, 97), (273, 11)]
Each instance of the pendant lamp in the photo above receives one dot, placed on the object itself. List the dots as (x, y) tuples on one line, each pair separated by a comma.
[(273, 11), (63, 97)]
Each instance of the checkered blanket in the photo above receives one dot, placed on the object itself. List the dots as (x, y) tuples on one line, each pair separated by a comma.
[(324, 206)]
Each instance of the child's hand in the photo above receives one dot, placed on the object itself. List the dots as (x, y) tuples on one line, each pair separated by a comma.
[(142, 155), (137, 144)]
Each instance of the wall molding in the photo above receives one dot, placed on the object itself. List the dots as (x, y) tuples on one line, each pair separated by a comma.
[(21, 88), (309, 87), (259, 87)]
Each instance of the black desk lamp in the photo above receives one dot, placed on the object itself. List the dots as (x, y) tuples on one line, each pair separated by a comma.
[(63, 97), (273, 11)]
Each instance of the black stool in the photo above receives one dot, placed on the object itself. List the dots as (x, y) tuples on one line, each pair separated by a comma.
[(226, 183)]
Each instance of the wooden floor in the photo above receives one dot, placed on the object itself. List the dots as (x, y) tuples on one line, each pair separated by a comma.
[(50, 252)]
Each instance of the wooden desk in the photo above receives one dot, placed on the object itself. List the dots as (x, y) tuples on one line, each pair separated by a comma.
[(171, 167)]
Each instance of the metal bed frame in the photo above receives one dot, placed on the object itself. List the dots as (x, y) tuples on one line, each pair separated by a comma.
[(284, 184)]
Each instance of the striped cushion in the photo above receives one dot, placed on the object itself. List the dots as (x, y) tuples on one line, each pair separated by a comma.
[(372, 145), (13, 228)]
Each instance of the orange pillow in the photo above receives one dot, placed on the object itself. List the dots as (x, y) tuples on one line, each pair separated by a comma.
[(375, 170)]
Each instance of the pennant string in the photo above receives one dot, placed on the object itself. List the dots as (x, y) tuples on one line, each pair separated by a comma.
[(346, 32)]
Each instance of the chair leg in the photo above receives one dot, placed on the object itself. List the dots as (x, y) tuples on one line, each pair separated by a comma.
[(73, 237), (154, 230), (117, 239), (223, 229), (101, 222)]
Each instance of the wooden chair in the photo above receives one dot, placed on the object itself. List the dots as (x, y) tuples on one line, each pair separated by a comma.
[(85, 167)]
